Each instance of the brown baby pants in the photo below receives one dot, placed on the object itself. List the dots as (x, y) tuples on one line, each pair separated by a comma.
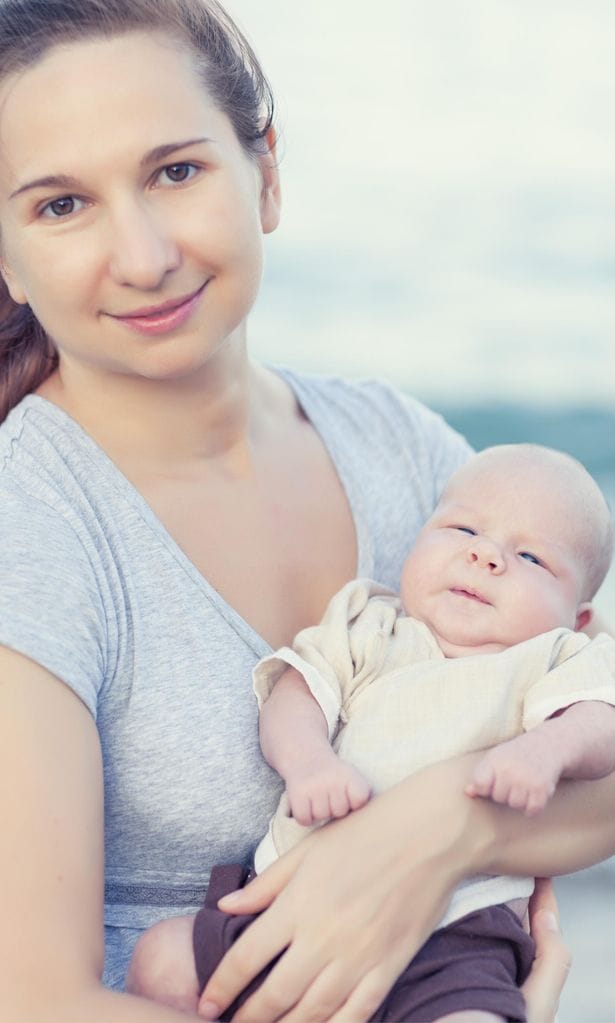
[(477, 962)]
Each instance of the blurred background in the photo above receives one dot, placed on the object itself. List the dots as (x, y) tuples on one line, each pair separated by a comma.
[(449, 223)]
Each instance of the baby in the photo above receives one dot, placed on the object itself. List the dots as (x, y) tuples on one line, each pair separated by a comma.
[(482, 651)]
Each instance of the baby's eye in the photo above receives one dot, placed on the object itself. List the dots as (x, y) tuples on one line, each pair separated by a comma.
[(531, 558), (177, 173), (62, 207), (466, 529)]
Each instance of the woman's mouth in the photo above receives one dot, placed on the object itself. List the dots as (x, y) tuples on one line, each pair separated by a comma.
[(163, 318)]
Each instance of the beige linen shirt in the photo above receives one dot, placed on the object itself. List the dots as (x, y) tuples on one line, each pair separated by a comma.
[(394, 703)]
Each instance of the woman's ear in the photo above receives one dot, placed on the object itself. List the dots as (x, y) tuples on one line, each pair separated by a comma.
[(585, 613), (270, 197), (12, 284)]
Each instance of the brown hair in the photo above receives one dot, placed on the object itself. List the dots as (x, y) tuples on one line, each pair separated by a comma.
[(230, 71)]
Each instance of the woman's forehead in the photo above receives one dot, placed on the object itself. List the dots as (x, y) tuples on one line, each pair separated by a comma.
[(79, 76), (131, 90)]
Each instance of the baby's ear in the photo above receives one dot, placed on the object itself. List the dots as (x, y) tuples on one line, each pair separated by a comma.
[(585, 613)]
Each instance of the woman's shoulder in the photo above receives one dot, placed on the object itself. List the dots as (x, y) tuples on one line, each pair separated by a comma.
[(36, 435), (373, 397), (54, 504), (373, 415), (39, 483), (47, 459), (349, 394)]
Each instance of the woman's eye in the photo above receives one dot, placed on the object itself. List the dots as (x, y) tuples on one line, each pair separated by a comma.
[(178, 173), (63, 207), (530, 557)]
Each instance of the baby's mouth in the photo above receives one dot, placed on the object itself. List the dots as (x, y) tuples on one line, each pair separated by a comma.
[(470, 595)]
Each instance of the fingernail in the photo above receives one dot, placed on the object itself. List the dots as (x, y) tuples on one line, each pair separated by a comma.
[(209, 1010)]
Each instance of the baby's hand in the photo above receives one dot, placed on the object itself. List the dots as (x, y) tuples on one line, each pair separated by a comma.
[(521, 773), (325, 787)]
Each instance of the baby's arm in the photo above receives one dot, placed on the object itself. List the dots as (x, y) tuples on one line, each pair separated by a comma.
[(579, 743), (294, 740)]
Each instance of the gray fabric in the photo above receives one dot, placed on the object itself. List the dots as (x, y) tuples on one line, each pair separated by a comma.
[(95, 589)]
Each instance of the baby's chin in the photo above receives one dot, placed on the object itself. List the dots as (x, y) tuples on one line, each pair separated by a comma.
[(462, 639), (450, 648)]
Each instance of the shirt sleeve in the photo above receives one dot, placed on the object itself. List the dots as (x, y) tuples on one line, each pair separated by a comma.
[(339, 654), (50, 605), (582, 669)]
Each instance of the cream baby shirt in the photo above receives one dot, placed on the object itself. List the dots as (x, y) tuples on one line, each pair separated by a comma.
[(394, 703)]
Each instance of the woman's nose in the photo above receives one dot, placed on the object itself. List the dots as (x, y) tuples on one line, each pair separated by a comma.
[(143, 251), (486, 554)]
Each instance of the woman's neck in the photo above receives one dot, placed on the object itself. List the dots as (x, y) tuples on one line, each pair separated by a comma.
[(167, 425)]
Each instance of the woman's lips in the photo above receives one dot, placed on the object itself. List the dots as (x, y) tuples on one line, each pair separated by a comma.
[(162, 319), (470, 595)]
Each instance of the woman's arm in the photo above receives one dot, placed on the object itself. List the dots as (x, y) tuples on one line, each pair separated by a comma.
[(355, 901), (51, 858)]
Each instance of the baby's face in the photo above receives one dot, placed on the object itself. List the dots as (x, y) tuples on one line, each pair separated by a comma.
[(495, 564)]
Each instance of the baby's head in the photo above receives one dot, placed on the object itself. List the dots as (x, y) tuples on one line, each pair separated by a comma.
[(518, 545)]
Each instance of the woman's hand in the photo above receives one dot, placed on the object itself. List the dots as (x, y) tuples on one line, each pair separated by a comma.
[(349, 906), (544, 985), (353, 903)]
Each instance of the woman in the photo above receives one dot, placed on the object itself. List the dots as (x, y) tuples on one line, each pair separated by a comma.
[(169, 512)]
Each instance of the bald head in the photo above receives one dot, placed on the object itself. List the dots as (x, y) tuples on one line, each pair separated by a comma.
[(576, 506)]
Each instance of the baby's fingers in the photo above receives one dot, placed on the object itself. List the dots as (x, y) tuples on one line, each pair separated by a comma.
[(482, 780), (352, 796), (359, 792), (538, 798), (302, 810), (339, 803)]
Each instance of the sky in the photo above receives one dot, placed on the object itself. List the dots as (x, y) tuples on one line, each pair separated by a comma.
[(449, 194)]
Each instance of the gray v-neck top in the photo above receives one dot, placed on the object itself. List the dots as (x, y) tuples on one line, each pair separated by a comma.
[(95, 589)]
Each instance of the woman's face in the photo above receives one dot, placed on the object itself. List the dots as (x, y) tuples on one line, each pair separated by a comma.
[(131, 217)]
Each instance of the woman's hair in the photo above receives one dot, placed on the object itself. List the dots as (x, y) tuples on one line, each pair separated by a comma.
[(230, 72)]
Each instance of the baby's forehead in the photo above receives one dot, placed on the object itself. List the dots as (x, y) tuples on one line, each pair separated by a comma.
[(483, 479), (527, 498), (528, 470), (547, 486)]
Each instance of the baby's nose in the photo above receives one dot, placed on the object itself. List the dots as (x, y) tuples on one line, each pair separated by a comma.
[(486, 554)]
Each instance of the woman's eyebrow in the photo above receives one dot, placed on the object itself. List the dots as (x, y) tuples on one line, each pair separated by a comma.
[(65, 181), (49, 181), (161, 152)]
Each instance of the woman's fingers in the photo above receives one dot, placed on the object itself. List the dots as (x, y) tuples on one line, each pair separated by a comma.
[(544, 898), (544, 985), (337, 907), (324, 1001), (259, 945), (366, 998), (287, 997), (262, 891), (340, 990)]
